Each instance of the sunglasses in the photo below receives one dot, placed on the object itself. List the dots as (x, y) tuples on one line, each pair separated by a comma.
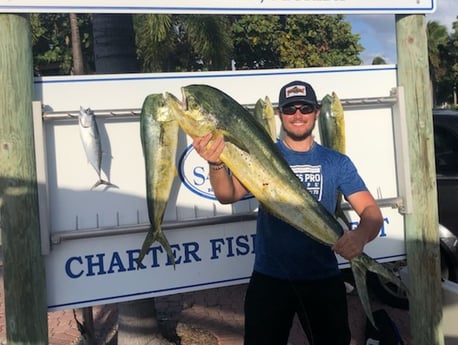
[(291, 109)]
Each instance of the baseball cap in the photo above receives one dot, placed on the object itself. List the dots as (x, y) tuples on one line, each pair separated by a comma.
[(297, 91)]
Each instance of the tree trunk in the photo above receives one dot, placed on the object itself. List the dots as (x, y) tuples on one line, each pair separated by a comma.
[(114, 43), (77, 53)]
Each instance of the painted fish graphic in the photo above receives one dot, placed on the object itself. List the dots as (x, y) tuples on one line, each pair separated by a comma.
[(159, 138), (264, 113), (90, 137), (332, 134), (255, 160)]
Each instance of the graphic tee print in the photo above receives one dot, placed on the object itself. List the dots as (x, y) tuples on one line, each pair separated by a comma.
[(311, 177)]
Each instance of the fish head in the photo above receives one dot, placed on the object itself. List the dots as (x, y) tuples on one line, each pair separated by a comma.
[(269, 112), (193, 118), (86, 117), (157, 109)]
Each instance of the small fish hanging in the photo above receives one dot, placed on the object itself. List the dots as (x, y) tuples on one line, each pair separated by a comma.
[(90, 138)]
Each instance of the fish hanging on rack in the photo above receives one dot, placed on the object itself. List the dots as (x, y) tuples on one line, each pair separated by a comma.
[(90, 137), (332, 134)]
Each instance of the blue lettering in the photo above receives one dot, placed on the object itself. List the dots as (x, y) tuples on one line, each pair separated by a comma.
[(68, 267), (154, 255), (116, 262), (243, 247), (382, 229), (132, 256), (238, 246), (230, 250), (216, 247), (91, 264), (190, 249), (174, 248), (200, 176), (353, 225)]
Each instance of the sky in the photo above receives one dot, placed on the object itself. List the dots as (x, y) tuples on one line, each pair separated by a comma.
[(377, 32)]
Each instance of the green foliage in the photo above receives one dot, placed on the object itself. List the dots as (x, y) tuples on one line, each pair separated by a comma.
[(378, 60), (443, 61), (256, 42), (169, 43), (295, 41), (51, 42)]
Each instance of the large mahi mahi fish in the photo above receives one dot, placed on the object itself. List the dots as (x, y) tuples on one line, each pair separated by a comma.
[(256, 161), (159, 138)]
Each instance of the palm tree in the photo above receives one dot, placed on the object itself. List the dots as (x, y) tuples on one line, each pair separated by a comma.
[(77, 52), (169, 43), (114, 43)]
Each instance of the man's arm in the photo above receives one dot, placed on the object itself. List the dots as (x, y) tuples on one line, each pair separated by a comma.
[(352, 243), (227, 188)]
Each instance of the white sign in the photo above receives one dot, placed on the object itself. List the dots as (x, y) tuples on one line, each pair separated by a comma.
[(220, 6), (101, 269)]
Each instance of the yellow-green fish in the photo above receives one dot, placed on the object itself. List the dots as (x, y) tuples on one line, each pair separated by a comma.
[(332, 134), (159, 138), (332, 123), (265, 114)]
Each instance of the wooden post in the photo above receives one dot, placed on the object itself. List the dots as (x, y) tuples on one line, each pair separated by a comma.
[(24, 272), (422, 234)]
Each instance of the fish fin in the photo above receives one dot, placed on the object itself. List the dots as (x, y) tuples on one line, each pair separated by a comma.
[(360, 265), (162, 239), (106, 183), (359, 275), (149, 239), (153, 236)]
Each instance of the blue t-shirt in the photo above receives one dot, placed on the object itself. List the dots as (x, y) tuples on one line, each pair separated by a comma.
[(286, 253)]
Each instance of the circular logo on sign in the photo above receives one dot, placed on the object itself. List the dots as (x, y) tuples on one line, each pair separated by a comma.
[(193, 172)]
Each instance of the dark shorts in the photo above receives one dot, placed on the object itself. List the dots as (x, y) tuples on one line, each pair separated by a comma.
[(321, 306)]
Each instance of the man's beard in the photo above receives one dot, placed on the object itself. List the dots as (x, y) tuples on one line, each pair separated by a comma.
[(300, 137)]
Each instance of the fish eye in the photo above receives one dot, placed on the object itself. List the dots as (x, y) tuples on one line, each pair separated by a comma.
[(191, 103)]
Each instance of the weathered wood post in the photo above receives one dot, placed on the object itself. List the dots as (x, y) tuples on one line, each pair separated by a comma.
[(24, 270), (422, 234)]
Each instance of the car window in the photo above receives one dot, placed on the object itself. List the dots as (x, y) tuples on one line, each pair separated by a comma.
[(446, 151)]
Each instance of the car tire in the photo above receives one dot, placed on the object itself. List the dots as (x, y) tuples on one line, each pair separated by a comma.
[(392, 295), (387, 292)]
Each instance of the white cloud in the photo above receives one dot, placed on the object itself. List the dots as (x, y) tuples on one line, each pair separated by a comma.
[(446, 13), (378, 32)]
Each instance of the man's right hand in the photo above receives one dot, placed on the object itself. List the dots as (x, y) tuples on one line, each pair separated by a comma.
[(209, 149)]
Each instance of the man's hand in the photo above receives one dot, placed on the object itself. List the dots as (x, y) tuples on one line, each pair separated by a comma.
[(351, 244), (208, 150)]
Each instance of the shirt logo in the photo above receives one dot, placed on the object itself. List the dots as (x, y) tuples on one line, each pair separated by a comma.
[(311, 177)]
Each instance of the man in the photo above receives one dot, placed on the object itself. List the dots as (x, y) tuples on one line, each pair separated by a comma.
[(294, 274)]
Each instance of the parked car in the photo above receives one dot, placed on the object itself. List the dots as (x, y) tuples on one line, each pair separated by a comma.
[(445, 124)]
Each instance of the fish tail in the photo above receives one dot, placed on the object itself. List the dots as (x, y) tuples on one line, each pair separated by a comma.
[(153, 236), (162, 239), (360, 265), (106, 183)]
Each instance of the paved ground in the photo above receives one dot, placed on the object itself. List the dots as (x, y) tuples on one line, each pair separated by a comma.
[(216, 311)]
